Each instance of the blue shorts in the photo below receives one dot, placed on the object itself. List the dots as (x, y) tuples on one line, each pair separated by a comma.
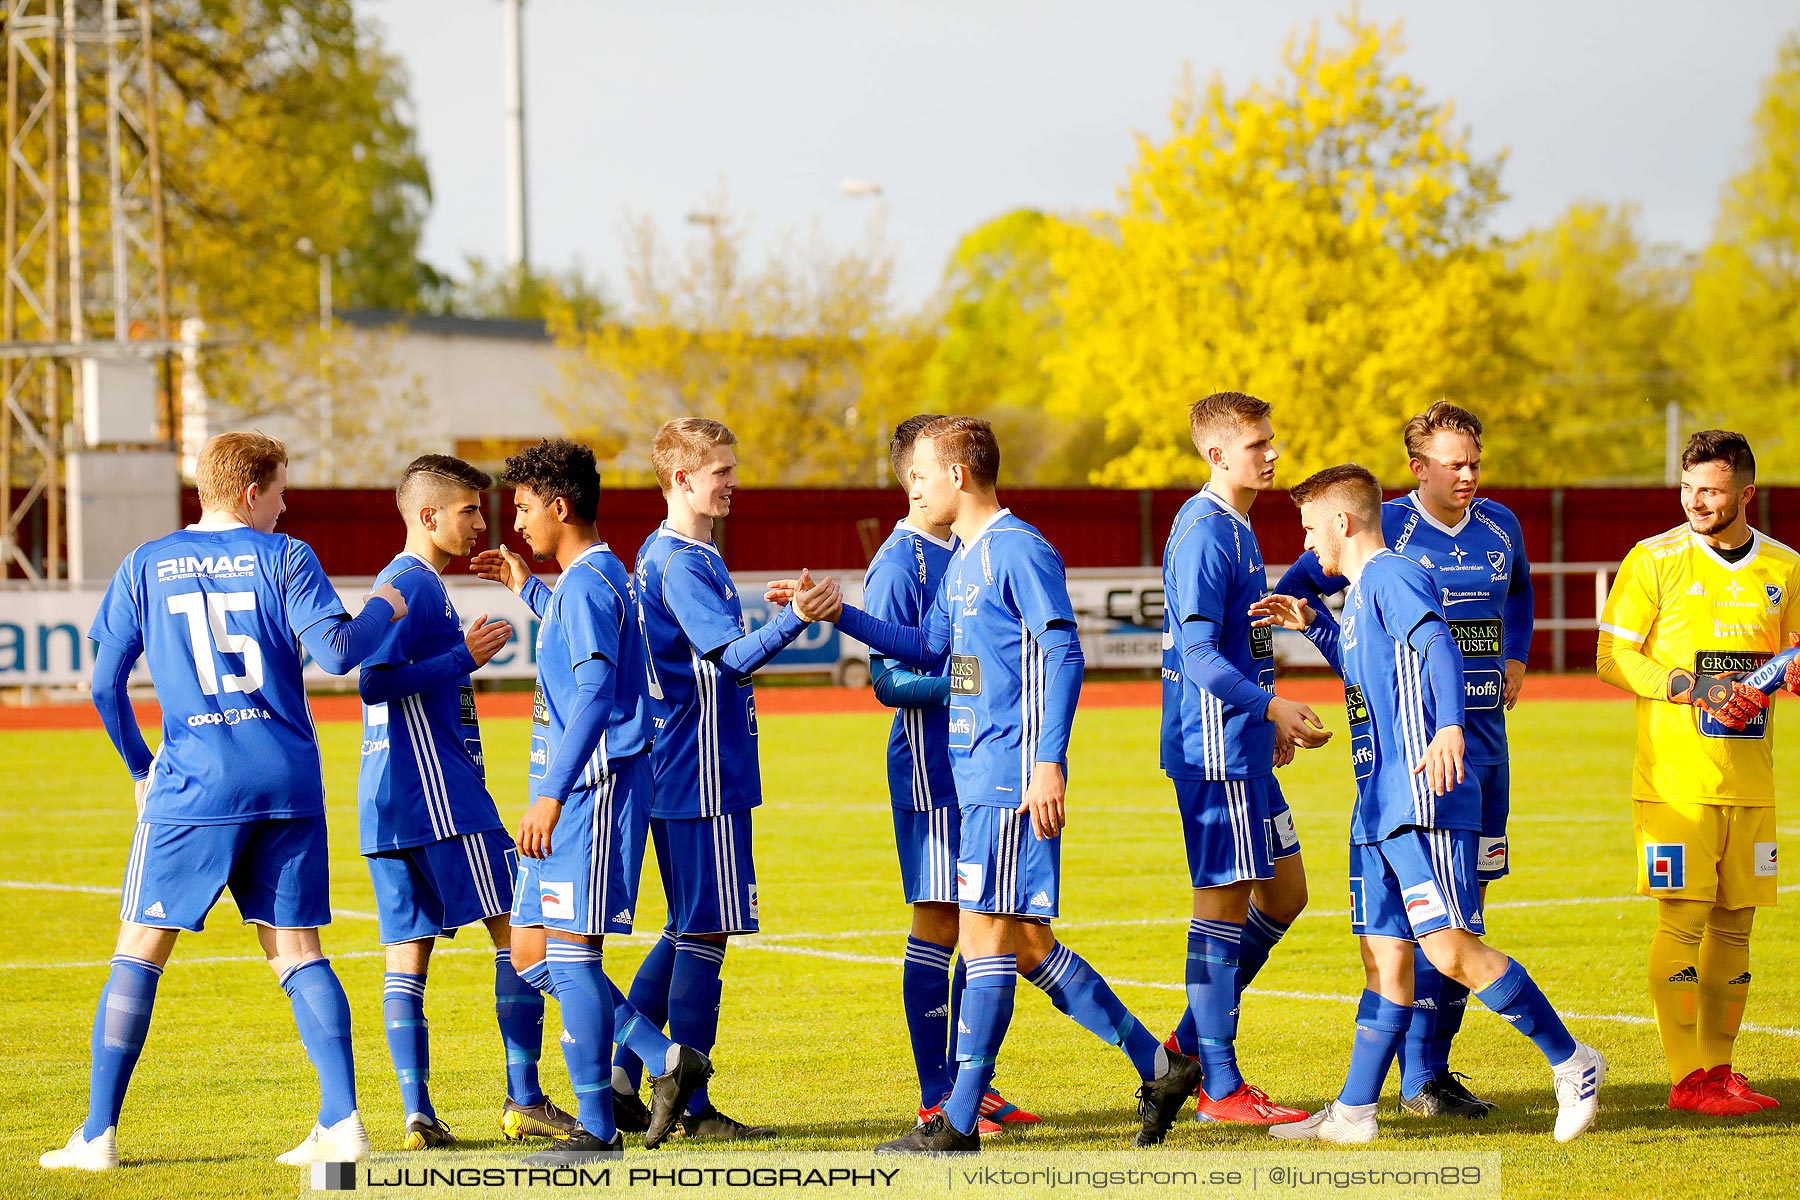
[(435, 889), (1003, 867), (1493, 855), (588, 883), (1234, 829), (278, 870), (708, 872), (1415, 882), (927, 844)]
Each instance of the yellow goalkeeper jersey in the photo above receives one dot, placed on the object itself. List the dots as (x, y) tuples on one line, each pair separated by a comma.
[(1678, 603)]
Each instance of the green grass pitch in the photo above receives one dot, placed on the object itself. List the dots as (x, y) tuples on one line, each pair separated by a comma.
[(812, 1038)]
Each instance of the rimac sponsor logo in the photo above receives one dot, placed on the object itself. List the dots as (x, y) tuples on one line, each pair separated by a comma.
[(218, 566), (229, 716)]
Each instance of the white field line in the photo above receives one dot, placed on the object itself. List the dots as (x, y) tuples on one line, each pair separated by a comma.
[(769, 944)]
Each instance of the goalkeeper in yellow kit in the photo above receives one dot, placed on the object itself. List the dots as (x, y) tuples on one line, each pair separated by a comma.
[(1693, 614)]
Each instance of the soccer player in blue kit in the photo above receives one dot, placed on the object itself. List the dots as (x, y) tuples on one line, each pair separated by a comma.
[(704, 756), (438, 853), (1417, 816), (1224, 731), (1003, 616), (581, 843), (1475, 552), (900, 586), (233, 797)]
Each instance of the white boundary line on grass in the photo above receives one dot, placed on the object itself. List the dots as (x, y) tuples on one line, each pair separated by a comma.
[(768, 944)]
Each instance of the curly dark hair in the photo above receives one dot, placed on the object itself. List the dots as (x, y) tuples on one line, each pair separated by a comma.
[(557, 469)]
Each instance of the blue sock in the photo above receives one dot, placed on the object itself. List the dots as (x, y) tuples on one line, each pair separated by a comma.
[(408, 1039), (1380, 1025), (1077, 989), (322, 1013), (1416, 1066), (587, 1017), (925, 995), (986, 1012), (694, 991), (1261, 932), (121, 1022), (537, 975), (650, 997), (1187, 1035), (631, 1029), (519, 1008), (1453, 1002), (1515, 997), (1212, 989)]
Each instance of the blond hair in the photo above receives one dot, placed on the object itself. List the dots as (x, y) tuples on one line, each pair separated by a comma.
[(683, 444), (1442, 417), (231, 462), (1221, 414)]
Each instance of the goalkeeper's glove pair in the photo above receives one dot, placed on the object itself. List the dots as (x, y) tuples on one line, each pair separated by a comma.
[(1735, 699)]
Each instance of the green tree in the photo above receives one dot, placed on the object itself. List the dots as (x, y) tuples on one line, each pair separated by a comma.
[(284, 120), (999, 324), (1593, 322), (487, 289), (1741, 343), (1317, 241)]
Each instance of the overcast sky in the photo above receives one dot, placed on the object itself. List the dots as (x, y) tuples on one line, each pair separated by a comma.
[(964, 109)]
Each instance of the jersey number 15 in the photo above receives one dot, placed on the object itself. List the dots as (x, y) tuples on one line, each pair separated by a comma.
[(205, 613)]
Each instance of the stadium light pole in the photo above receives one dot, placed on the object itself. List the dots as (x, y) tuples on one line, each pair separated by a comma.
[(327, 434), (518, 243)]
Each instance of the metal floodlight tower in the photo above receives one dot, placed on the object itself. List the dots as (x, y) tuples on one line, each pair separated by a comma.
[(83, 278)]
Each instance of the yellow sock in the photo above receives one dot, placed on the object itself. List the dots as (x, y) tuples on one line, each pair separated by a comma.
[(1674, 981), (1724, 983)]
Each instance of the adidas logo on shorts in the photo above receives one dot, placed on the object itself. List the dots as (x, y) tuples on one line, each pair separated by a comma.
[(1041, 900), (622, 917), (156, 910), (962, 1026)]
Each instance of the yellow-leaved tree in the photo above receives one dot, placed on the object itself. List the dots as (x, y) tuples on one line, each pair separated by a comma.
[(1317, 241), (1741, 346), (805, 356), (1594, 320)]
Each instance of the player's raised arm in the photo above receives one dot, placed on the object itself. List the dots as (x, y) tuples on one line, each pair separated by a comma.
[(922, 646), (335, 640), (503, 566), (694, 595), (1306, 580), (386, 682)]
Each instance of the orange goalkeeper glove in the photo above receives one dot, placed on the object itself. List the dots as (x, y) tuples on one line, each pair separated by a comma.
[(1726, 698)]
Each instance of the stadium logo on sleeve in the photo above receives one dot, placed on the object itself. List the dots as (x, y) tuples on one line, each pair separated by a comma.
[(1765, 858), (1423, 903), (1665, 865)]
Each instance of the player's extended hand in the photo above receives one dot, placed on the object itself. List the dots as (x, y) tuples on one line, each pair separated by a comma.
[(391, 594), (1284, 752), (1791, 680), (536, 825), (1044, 800), (139, 789), (1726, 698), (1284, 612), (1443, 761), (484, 640), (1515, 682), (822, 601), (502, 566), (1297, 725), (781, 592)]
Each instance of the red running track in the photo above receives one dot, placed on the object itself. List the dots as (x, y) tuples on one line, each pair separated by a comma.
[(808, 700)]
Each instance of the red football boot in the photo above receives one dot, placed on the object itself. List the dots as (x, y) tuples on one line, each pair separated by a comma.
[(1246, 1106), (1700, 1093), (1734, 1083)]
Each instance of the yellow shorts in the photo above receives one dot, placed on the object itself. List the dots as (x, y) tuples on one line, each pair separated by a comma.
[(1721, 853)]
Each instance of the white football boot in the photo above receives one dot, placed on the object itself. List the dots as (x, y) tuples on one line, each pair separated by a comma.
[(1343, 1124), (101, 1154), (1577, 1084), (347, 1141)]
